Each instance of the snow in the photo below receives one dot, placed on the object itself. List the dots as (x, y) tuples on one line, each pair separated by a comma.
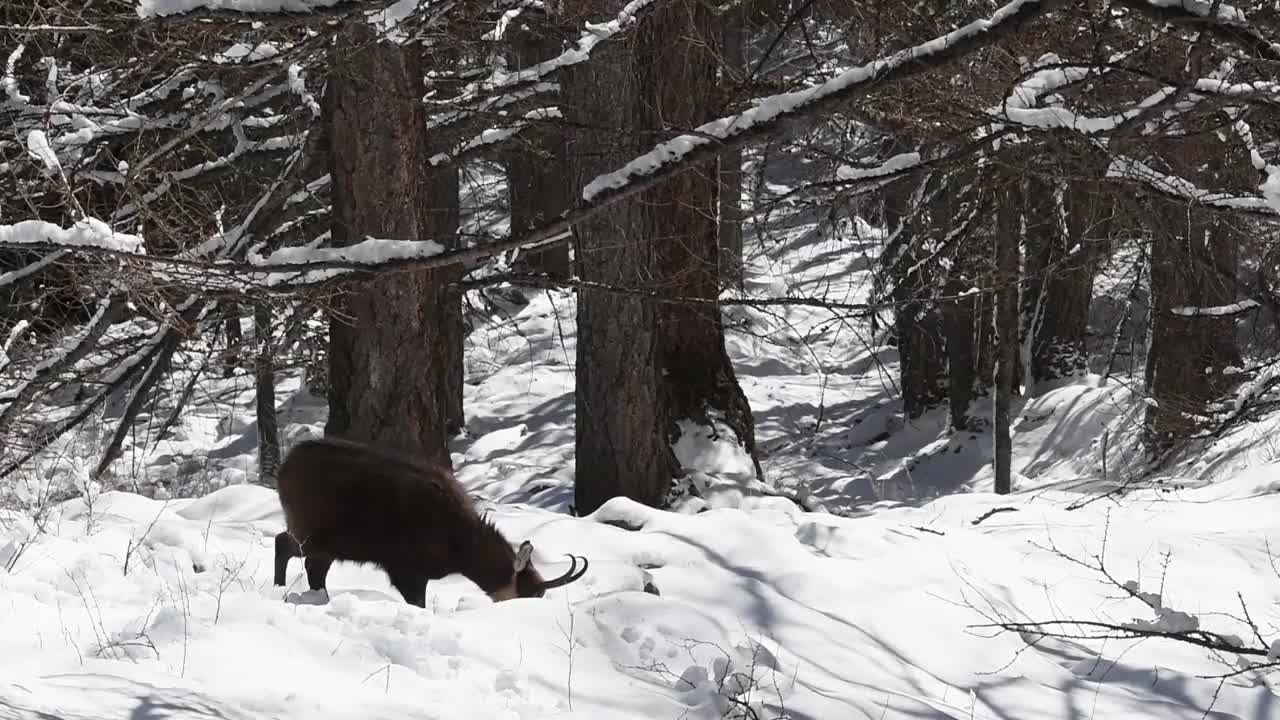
[(1234, 308), (160, 8), (243, 52), (38, 146), (9, 80), (1271, 188), (89, 232), (1205, 9), (387, 19), (370, 251), (298, 85), (870, 605), (895, 164), (1132, 169)]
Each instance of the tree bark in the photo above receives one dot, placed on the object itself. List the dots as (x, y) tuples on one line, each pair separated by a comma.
[(966, 320), (620, 430), (1061, 264), (733, 36), (231, 358), (1192, 265), (265, 397), (385, 374), (678, 80), (962, 322), (537, 167), (918, 330), (442, 218), (1007, 241)]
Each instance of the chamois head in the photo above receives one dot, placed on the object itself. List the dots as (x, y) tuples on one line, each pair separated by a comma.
[(526, 581)]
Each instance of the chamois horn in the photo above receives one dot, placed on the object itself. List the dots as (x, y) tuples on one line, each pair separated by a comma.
[(569, 576)]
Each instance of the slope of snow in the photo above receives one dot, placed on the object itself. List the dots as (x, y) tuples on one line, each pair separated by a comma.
[(869, 607), (829, 617)]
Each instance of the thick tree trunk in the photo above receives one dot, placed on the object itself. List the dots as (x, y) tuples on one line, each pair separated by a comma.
[(921, 349), (1060, 269), (733, 36), (966, 320), (1192, 266), (385, 374), (442, 218), (537, 167), (265, 397), (960, 320), (620, 444), (678, 64), (918, 329)]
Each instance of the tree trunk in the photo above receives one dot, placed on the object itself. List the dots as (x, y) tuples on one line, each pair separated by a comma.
[(537, 167), (265, 397), (733, 36), (917, 323), (231, 358), (620, 430), (385, 374), (1191, 266), (443, 217), (678, 64), (966, 320), (442, 214), (1060, 269), (960, 320), (1007, 241)]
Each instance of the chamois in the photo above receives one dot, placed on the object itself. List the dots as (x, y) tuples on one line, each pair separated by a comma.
[(349, 501)]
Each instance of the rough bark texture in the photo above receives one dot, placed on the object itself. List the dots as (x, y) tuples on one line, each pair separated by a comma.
[(1060, 266), (733, 36), (678, 75), (265, 397), (1007, 240), (442, 218), (1188, 355), (1193, 264), (620, 429), (231, 358), (537, 167), (385, 376), (918, 330), (967, 324)]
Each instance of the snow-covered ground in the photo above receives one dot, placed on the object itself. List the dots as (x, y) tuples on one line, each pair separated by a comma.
[(871, 606)]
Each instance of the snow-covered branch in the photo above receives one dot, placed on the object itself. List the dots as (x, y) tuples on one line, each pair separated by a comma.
[(87, 233), (1226, 22), (1181, 188), (771, 112), (164, 8), (501, 83)]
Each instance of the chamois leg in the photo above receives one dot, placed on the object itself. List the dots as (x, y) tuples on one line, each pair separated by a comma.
[(411, 585), (317, 565), (286, 549)]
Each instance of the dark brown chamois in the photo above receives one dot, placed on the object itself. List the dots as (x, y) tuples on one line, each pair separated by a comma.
[(347, 501)]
